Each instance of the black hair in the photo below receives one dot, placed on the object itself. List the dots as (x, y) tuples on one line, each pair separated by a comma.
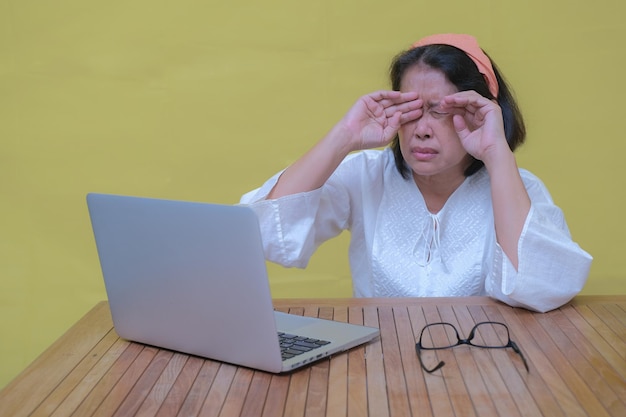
[(461, 71)]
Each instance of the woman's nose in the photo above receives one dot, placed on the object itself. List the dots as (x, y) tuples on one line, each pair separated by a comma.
[(422, 128)]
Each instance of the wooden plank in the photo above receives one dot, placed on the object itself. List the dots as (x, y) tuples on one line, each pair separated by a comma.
[(254, 400), (296, 395), (71, 382), (218, 391), (233, 404), (421, 301), (492, 382), (542, 400), (337, 403), (326, 312), (478, 402), (281, 303), (407, 333), (277, 396), (589, 374), (317, 395), (549, 390), (162, 387), (299, 310), (30, 388), (579, 317), (199, 389), (597, 299), (454, 384), (441, 401), (181, 387), (377, 400), (299, 383), (145, 383), (608, 373), (87, 384), (507, 382), (619, 313), (108, 380), (357, 370), (124, 385), (577, 386), (397, 393), (612, 322)]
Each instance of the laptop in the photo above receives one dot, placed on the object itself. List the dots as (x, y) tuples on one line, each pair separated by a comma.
[(191, 277)]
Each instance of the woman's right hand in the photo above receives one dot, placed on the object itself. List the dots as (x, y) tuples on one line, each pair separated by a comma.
[(375, 118), (372, 122)]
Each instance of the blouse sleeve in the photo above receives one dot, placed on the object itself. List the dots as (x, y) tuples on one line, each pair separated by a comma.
[(552, 268), (294, 226)]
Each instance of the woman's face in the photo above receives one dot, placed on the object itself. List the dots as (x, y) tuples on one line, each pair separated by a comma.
[(430, 145)]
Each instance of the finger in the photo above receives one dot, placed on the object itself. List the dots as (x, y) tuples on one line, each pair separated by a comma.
[(392, 127), (474, 108), (383, 94), (373, 107), (460, 126), (465, 95), (411, 115), (470, 100), (404, 107), (390, 98)]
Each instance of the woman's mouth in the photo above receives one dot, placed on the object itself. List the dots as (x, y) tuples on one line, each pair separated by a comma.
[(423, 154)]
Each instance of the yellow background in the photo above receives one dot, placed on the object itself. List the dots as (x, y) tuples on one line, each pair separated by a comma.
[(203, 100)]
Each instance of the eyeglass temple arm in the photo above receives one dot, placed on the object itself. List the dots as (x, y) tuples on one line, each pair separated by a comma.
[(430, 371), (517, 350), (436, 368)]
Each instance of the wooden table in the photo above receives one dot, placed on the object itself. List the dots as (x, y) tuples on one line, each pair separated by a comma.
[(577, 358)]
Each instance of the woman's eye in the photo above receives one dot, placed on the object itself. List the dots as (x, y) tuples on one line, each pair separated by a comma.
[(439, 114)]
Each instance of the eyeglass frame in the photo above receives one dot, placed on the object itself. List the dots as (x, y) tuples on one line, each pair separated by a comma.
[(510, 343)]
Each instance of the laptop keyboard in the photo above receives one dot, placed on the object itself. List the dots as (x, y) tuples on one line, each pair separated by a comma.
[(292, 345)]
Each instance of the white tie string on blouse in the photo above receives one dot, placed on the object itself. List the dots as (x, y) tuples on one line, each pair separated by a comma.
[(427, 244)]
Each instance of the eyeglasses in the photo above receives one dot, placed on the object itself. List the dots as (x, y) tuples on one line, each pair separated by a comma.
[(486, 334)]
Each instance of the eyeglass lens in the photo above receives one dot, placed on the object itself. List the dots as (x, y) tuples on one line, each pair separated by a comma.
[(443, 335)]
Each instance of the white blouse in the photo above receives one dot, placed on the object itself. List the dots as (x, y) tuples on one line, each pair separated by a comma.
[(399, 248)]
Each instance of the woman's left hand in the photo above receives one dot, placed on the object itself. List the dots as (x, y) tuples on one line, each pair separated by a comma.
[(478, 122)]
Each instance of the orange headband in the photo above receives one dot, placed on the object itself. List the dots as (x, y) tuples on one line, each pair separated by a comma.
[(469, 45)]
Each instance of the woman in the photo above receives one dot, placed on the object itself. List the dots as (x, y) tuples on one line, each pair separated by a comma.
[(442, 211)]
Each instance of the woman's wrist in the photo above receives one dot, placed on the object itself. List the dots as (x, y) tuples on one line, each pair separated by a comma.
[(500, 159), (342, 141)]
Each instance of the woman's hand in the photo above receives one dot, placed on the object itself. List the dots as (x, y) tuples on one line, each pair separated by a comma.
[(372, 122), (374, 119), (479, 124)]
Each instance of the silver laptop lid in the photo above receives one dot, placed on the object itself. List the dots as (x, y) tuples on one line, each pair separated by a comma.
[(187, 276)]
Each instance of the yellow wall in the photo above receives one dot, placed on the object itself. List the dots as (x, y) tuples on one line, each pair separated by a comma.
[(203, 100)]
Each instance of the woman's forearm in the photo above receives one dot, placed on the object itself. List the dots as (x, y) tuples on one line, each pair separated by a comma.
[(314, 168), (511, 204)]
